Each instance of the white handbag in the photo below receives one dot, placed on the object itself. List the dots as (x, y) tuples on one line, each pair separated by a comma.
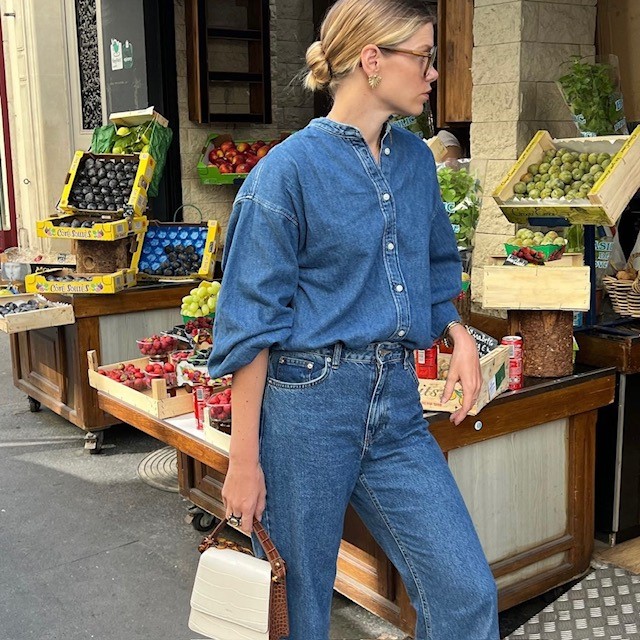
[(237, 596)]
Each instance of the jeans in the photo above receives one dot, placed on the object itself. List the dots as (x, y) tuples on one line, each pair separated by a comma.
[(344, 426)]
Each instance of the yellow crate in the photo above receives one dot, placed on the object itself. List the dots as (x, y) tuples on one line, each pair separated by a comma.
[(608, 197), (537, 288), (211, 245), (96, 283), (106, 231), (495, 380), (137, 200)]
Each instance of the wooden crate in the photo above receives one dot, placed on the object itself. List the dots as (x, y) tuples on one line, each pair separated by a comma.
[(537, 287), (606, 200), (54, 315), (495, 380), (155, 401)]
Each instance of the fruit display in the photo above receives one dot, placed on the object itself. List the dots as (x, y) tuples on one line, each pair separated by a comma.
[(201, 301), (197, 324), (156, 370), (179, 250), (9, 308), (461, 194), (133, 139), (127, 374), (100, 183), (536, 247), (219, 405), (562, 175), (179, 356), (224, 160), (156, 345)]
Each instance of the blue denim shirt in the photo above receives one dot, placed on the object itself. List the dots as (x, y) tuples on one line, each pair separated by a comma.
[(326, 245)]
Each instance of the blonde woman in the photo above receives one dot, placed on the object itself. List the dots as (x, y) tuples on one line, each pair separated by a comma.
[(339, 261)]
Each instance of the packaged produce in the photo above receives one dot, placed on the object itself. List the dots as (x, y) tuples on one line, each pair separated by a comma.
[(535, 246), (128, 374), (591, 90), (461, 194), (156, 345), (225, 161)]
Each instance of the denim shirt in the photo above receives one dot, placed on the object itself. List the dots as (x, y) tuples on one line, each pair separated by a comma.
[(324, 244)]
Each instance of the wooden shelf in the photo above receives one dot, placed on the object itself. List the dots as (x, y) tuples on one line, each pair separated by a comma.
[(257, 77)]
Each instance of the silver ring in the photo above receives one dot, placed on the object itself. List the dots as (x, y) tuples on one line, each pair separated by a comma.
[(234, 521)]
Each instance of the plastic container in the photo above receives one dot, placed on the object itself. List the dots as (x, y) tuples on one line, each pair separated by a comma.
[(550, 251), (177, 357), (157, 345), (169, 377)]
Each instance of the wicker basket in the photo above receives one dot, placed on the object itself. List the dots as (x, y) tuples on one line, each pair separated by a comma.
[(625, 296)]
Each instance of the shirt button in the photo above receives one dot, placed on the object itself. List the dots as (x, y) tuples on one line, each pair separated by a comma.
[(401, 332), (387, 151), (399, 288), (391, 246), (386, 197)]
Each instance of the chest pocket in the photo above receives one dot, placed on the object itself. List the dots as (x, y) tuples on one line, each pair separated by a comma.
[(300, 370)]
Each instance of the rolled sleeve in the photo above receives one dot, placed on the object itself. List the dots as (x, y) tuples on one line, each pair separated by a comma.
[(260, 277), (446, 271)]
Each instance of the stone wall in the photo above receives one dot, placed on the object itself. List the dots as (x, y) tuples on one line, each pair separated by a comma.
[(291, 34), (519, 48)]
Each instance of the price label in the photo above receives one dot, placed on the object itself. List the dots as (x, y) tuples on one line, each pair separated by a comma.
[(485, 343)]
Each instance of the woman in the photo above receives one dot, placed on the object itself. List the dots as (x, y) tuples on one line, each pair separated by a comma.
[(339, 261)]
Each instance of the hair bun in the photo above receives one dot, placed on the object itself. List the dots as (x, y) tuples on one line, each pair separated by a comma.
[(319, 76)]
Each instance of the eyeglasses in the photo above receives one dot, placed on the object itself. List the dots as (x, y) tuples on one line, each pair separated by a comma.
[(428, 58)]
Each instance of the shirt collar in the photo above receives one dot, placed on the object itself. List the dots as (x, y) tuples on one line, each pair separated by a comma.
[(344, 130)]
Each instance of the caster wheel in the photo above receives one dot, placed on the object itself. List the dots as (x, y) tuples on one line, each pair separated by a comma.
[(34, 405), (204, 521), (93, 442)]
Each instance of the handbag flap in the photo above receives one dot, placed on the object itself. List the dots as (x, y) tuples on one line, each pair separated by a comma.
[(233, 586)]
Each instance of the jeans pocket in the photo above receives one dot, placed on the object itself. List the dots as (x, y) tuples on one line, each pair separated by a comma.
[(297, 370)]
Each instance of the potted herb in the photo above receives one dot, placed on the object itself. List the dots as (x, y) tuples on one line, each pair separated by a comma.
[(591, 90)]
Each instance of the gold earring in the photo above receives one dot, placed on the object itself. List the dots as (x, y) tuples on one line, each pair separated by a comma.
[(374, 81)]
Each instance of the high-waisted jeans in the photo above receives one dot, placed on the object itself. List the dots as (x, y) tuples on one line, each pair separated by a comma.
[(344, 426)]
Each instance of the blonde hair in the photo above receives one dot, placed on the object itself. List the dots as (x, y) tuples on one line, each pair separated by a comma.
[(350, 25)]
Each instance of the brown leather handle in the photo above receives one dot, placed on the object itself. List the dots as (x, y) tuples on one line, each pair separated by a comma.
[(278, 566)]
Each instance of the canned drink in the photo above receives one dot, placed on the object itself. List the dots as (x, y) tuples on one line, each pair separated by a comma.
[(515, 373), (201, 393), (515, 346), (427, 363)]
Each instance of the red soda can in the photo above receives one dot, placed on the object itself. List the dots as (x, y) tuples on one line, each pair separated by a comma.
[(515, 346), (201, 393), (515, 373), (427, 363)]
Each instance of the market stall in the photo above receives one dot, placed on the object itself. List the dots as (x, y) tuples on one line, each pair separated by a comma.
[(525, 465)]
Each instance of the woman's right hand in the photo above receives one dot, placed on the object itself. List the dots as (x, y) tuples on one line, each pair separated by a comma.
[(244, 493)]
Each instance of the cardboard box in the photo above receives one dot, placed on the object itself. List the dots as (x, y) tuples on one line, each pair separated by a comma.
[(608, 197), (204, 237), (106, 231), (537, 287), (139, 116), (137, 202), (495, 380), (52, 314)]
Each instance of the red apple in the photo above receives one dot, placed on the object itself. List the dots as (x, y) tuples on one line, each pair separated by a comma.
[(227, 145), (213, 155), (226, 168), (242, 146), (243, 168), (251, 160), (262, 151), (238, 159)]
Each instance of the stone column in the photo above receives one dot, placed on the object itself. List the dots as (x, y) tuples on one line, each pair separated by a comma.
[(519, 49)]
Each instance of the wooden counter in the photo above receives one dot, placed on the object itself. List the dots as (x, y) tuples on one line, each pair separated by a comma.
[(50, 365), (525, 466)]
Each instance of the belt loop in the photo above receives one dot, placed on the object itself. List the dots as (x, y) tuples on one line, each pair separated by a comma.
[(408, 354), (337, 352)]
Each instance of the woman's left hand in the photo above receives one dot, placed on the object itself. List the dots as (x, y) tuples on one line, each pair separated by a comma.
[(464, 368)]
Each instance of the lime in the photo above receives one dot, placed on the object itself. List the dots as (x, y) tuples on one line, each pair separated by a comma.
[(602, 157), (544, 177), (566, 177), (577, 174), (576, 185), (596, 168), (566, 166), (567, 157), (557, 193), (584, 166), (540, 185), (605, 163), (544, 168), (545, 193), (554, 170), (534, 193), (583, 157), (593, 158), (530, 186)]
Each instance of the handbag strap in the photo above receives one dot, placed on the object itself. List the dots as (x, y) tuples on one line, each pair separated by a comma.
[(278, 566)]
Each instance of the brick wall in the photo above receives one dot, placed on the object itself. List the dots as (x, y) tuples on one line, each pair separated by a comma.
[(519, 48), (291, 33)]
